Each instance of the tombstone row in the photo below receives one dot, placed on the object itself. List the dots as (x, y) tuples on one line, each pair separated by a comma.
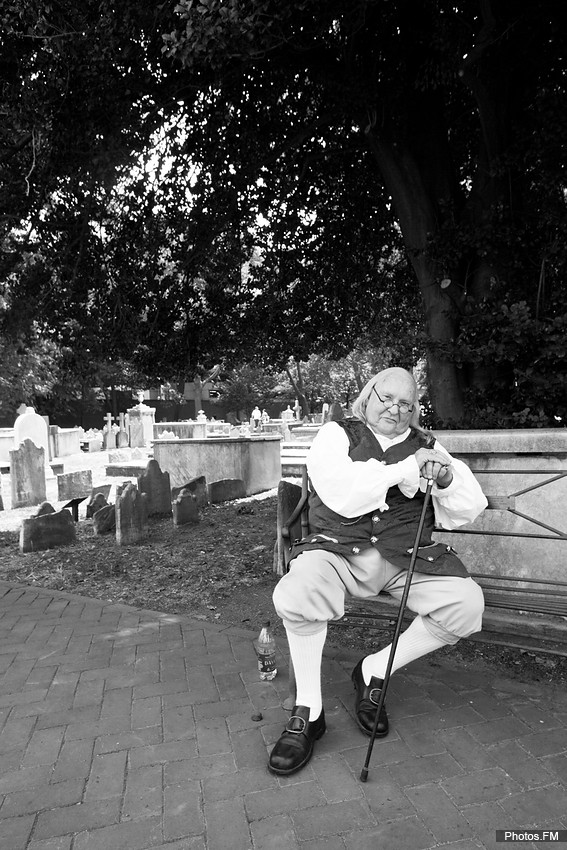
[(128, 517)]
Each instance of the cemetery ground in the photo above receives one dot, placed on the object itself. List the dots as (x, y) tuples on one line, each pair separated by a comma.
[(219, 570)]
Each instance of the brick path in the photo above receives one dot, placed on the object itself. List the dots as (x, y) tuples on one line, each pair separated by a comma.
[(123, 729)]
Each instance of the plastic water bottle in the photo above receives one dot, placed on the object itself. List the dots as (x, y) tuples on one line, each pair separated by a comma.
[(265, 647)]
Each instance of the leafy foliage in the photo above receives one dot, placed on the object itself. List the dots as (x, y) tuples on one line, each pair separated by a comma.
[(231, 181), (503, 338)]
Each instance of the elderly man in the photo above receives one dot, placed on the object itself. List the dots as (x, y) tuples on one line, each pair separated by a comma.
[(368, 475)]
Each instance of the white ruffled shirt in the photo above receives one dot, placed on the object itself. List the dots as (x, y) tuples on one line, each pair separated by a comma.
[(352, 488)]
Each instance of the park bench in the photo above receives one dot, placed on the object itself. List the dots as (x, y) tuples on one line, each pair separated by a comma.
[(524, 613)]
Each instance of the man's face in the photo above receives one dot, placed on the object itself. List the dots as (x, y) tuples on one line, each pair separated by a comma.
[(394, 389)]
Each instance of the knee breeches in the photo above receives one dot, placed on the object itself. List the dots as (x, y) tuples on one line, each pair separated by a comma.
[(314, 591)]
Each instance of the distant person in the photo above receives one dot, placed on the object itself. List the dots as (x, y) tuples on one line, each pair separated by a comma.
[(256, 417), (368, 475)]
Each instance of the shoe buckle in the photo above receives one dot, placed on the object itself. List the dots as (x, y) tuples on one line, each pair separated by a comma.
[(291, 727), (377, 691)]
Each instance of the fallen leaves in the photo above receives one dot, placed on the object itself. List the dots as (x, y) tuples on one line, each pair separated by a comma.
[(192, 569)]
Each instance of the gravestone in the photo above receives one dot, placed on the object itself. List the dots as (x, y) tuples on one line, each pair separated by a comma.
[(108, 434), (185, 510), (197, 487), (45, 508), (72, 485), (102, 488), (157, 487), (95, 503), (98, 499), (31, 426), (122, 435), (47, 531), (27, 475), (104, 520), (226, 489), (1, 502), (131, 516)]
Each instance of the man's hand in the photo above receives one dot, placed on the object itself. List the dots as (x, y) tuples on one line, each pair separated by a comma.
[(435, 466)]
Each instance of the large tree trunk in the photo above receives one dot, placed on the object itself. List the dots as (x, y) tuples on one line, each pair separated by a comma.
[(299, 388), (417, 218)]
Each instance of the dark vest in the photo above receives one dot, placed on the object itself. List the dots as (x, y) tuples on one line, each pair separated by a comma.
[(391, 532)]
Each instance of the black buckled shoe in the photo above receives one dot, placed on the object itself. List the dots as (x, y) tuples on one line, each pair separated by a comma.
[(294, 747), (366, 703)]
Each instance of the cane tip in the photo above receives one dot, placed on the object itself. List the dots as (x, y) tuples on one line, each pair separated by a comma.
[(364, 774)]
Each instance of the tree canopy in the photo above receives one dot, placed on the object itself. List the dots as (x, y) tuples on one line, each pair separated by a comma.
[(246, 179)]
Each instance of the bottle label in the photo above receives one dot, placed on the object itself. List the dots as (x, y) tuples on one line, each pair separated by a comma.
[(267, 663)]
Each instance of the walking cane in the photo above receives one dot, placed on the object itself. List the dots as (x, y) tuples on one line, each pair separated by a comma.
[(397, 630)]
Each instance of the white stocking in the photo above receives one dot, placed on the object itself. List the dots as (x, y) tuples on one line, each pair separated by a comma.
[(306, 654), (416, 641)]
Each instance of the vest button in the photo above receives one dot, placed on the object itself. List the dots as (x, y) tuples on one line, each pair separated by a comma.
[(355, 550), (375, 518)]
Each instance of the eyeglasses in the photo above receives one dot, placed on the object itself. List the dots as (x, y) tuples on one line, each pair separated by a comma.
[(403, 406)]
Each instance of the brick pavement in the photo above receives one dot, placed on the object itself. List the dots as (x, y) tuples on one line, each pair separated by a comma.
[(123, 729)]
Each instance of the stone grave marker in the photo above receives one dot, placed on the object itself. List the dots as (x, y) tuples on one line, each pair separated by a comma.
[(47, 531), (31, 426), (122, 440), (185, 510), (1, 502), (95, 503), (72, 485), (121, 487), (98, 499), (226, 489), (104, 520), (131, 516), (108, 434), (27, 475), (157, 487), (197, 487)]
